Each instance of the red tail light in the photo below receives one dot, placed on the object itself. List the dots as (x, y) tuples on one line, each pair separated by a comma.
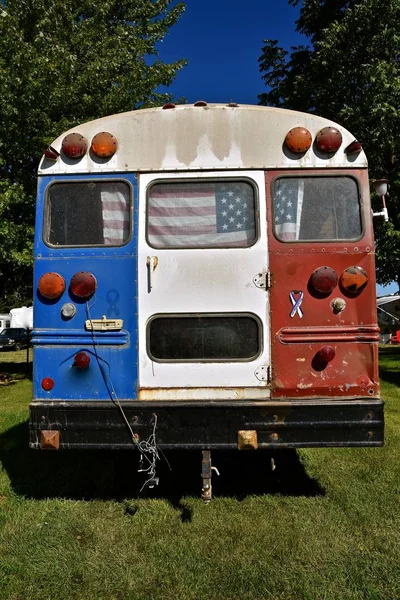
[(47, 384), (83, 284), (51, 286), (81, 360), (353, 147), (51, 153), (74, 145), (324, 280), (327, 353), (329, 139)]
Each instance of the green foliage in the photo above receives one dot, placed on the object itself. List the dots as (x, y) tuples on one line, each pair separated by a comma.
[(350, 73), (62, 63)]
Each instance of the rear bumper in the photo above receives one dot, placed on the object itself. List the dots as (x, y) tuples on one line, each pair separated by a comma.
[(209, 425)]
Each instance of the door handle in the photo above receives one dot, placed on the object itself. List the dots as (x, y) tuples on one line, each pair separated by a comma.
[(151, 263)]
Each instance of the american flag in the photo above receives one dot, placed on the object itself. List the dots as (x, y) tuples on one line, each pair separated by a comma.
[(288, 202), (201, 214), (115, 211)]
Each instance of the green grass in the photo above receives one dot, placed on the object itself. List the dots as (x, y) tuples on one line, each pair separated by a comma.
[(325, 525)]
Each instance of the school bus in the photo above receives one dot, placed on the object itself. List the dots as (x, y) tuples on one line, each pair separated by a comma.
[(205, 279)]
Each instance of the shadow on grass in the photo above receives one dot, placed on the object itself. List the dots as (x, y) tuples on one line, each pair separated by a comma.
[(17, 370), (105, 475), (389, 364)]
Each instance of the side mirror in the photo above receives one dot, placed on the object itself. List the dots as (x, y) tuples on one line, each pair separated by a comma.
[(381, 186)]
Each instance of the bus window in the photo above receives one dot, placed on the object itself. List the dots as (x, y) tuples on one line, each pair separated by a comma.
[(204, 337), (201, 214), (316, 208), (87, 213)]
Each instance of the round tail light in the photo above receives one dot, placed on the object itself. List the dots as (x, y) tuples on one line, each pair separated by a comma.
[(353, 280), (81, 360), (327, 353), (104, 145), (51, 286), (324, 280), (83, 284), (74, 145), (329, 140), (47, 384)]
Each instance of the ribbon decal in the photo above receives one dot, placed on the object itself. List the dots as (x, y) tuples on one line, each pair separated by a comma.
[(296, 303)]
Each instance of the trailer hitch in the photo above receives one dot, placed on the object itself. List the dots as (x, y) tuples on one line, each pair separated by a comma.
[(206, 473)]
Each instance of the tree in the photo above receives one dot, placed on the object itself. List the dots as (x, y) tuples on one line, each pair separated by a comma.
[(349, 72), (63, 62)]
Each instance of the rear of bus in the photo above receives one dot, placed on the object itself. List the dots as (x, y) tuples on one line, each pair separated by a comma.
[(205, 275)]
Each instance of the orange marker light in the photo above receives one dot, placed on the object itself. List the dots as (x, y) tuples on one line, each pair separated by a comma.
[(298, 140), (104, 145), (353, 280), (51, 286)]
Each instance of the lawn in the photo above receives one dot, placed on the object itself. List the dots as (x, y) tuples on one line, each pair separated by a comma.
[(325, 525)]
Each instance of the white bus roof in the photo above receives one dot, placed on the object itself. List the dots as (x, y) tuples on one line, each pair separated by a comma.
[(212, 137)]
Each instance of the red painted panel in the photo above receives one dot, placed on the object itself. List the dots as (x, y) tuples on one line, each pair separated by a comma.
[(297, 371)]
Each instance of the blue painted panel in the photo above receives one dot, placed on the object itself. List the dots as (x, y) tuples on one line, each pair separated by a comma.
[(114, 354)]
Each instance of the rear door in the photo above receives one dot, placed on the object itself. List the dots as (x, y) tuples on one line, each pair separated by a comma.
[(203, 303)]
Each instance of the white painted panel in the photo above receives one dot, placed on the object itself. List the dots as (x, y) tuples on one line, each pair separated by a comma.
[(193, 138), (202, 281)]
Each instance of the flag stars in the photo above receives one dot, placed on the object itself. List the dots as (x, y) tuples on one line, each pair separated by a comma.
[(224, 200), (224, 226), (230, 194), (231, 206), (238, 212), (289, 217), (224, 213), (239, 225)]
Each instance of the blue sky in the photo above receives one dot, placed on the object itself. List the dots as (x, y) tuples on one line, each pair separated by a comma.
[(222, 42)]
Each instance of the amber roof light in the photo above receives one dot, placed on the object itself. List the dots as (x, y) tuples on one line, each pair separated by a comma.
[(104, 145), (298, 140)]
